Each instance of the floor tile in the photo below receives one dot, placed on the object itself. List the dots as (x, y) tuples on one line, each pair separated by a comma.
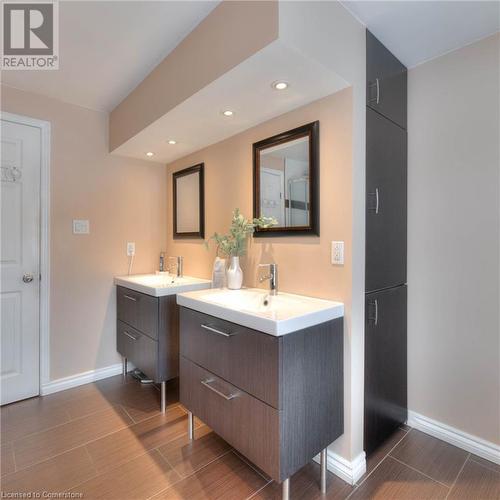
[(30, 416), (429, 455), (46, 444), (476, 482), (139, 478), (305, 485), (187, 456), (485, 463), (54, 475), (392, 480), (380, 453), (7, 464), (228, 478), (125, 444)]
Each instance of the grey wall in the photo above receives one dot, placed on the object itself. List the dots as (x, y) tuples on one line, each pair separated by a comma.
[(453, 239)]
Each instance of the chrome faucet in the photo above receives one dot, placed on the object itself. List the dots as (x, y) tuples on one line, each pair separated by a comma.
[(162, 262), (180, 266), (272, 277)]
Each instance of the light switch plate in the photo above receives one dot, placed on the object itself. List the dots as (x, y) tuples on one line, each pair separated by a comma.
[(338, 253), (81, 226), (130, 248)]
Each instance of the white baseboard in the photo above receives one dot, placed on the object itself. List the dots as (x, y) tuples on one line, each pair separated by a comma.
[(350, 472), (62, 384), (456, 437)]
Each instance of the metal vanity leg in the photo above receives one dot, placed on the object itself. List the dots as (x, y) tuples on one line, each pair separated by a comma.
[(285, 488), (190, 425), (124, 366), (163, 392), (323, 470)]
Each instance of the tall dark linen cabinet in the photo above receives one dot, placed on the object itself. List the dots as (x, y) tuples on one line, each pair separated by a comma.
[(386, 207)]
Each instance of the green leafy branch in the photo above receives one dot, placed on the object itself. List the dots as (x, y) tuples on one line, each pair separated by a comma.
[(234, 244)]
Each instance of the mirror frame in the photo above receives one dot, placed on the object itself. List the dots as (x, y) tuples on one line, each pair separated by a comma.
[(310, 130), (181, 173)]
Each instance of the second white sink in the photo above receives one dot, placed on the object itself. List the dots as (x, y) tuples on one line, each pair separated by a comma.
[(255, 308), (159, 285)]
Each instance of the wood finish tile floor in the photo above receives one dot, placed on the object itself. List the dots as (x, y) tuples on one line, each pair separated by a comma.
[(109, 440)]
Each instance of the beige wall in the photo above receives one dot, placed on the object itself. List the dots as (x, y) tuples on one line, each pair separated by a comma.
[(453, 239), (124, 199), (304, 262)]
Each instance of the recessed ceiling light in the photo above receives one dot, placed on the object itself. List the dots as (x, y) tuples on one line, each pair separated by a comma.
[(149, 153), (228, 112), (171, 141), (280, 85)]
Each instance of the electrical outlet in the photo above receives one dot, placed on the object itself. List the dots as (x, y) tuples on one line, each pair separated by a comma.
[(338, 253), (81, 226), (130, 248)]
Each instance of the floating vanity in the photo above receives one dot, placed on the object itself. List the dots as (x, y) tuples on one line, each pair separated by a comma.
[(265, 373), (147, 330)]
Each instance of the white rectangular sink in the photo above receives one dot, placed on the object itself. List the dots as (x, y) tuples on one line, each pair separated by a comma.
[(159, 285), (255, 308)]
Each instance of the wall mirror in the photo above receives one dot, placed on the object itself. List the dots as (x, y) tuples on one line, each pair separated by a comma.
[(189, 203), (286, 181)]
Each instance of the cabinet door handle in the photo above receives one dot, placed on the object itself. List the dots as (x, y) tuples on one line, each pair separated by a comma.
[(377, 83), (214, 330), (133, 299), (129, 335), (207, 382), (375, 321), (377, 201), (373, 318), (371, 99)]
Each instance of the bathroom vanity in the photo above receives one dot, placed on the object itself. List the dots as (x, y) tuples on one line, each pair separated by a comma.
[(265, 373), (147, 327)]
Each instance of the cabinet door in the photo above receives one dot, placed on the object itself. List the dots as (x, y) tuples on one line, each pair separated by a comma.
[(385, 365), (386, 82), (385, 203)]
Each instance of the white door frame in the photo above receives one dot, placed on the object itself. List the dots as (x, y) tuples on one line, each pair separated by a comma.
[(44, 320)]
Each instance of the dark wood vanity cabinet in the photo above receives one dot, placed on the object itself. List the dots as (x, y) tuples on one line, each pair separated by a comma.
[(386, 89), (277, 400), (147, 333), (386, 245)]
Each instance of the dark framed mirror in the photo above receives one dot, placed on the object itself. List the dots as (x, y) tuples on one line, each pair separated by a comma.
[(286, 181), (189, 202)]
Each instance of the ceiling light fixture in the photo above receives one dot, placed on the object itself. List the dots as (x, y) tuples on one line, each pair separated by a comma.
[(171, 141), (228, 112), (149, 153), (279, 85)]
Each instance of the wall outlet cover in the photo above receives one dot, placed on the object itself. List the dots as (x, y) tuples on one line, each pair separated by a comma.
[(130, 248), (81, 226), (338, 253)]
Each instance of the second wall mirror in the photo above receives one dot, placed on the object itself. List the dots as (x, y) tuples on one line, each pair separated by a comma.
[(286, 181), (189, 202)]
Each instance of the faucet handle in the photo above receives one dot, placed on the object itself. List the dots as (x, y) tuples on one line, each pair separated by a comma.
[(268, 265)]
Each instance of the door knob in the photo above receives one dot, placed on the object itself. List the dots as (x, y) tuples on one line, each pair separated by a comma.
[(27, 277)]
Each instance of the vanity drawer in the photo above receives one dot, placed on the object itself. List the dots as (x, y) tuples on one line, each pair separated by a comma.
[(244, 357), (246, 423), (138, 348), (138, 310)]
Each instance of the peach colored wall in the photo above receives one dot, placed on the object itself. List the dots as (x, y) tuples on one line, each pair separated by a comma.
[(231, 33), (124, 199), (304, 262)]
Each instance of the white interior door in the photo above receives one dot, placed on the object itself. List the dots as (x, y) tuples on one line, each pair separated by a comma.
[(19, 260), (272, 194)]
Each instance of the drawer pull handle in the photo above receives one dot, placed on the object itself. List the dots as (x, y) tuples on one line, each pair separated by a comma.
[(214, 330), (129, 335), (133, 299), (206, 383)]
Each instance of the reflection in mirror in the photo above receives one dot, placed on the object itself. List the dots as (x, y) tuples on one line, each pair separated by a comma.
[(188, 200), (285, 178)]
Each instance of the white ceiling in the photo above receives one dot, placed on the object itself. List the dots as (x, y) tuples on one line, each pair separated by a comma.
[(416, 31), (108, 47)]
